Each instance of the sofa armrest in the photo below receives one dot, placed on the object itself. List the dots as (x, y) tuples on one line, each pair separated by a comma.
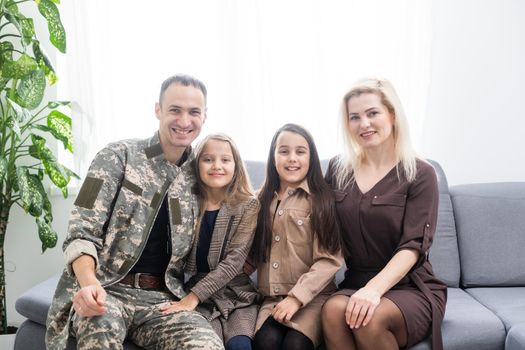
[(34, 304)]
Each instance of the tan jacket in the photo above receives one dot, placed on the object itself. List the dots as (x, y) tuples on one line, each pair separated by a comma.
[(297, 266)]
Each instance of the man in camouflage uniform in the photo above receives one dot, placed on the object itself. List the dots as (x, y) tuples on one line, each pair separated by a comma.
[(129, 233)]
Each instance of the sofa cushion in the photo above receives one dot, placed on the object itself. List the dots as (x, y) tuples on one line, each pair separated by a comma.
[(508, 303), (491, 233), (516, 338), (444, 254), (467, 325)]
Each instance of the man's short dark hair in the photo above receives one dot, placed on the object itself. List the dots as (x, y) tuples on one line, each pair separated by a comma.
[(185, 80)]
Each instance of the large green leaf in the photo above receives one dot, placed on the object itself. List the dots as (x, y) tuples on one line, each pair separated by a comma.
[(44, 63), (3, 167), (6, 51), (22, 114), (28, 30), (57, 33), (6, 54), (12, 124), (32, 199), (47, 235), (58, 174), (36, 183), (20, 68), (60, 125), (31, 89), (23, 24)]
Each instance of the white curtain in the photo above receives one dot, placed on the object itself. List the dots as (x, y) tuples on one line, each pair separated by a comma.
[(265, 63)]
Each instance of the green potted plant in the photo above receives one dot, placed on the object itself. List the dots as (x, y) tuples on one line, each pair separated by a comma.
[(27, 122)]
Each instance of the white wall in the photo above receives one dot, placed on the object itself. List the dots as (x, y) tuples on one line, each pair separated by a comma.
[(474, 125), (476, 115), (25, 264)]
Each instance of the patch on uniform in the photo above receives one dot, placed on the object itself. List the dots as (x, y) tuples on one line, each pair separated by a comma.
[(132, 187), (155, 200), (153, 151), (88, 192), (176, 215)]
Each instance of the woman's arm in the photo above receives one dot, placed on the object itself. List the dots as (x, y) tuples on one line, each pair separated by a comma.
[(363, 303)]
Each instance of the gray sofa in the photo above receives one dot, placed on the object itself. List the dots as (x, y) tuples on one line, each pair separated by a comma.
[(478, 252)]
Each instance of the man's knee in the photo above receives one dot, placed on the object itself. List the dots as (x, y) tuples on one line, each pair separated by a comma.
[(99, 332), (185, 330)]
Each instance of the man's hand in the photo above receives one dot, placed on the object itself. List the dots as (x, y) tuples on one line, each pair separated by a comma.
[(90, 301), (188, 303), (284, 311)]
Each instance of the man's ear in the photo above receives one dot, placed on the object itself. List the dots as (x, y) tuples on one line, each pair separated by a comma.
[(205, 115), (157, 110)]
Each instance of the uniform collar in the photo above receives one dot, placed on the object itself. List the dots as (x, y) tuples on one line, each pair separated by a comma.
[(154, 150)]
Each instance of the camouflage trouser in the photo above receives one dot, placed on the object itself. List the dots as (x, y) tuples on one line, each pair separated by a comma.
[(134, 313)]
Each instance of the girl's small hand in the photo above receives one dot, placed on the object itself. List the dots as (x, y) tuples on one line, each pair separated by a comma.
[(284, 311), (361, 307), (188, 303)]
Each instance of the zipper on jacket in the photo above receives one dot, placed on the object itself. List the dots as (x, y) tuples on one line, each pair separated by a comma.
[(164, 192)]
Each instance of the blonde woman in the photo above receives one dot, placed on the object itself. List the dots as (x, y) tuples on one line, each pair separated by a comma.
[(386, 202)]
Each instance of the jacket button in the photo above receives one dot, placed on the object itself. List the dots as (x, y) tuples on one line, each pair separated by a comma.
[(290, 192), (428, 225), (299, 222), (276, 289), (277, 238), (281, 212), (275, 265)]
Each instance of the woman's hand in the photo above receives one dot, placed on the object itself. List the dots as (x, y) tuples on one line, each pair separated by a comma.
[(188, 303), (361, 307), (284, 311)]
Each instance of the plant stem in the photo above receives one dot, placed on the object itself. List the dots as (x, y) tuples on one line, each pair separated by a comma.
[(4, 217), (8, 35)]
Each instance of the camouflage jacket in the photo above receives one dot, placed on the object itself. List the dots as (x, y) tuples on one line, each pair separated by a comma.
[(112, 218)]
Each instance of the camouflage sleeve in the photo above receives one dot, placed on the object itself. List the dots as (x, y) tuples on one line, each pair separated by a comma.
[(94, 204)]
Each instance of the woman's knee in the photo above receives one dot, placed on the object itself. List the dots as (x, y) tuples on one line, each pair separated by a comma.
[(334, 309)]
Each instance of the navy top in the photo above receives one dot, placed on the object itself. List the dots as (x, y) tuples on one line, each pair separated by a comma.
[(205, 233), (157, 252)]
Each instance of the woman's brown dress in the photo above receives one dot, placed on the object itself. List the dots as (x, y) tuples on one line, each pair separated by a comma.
[(394, 215)]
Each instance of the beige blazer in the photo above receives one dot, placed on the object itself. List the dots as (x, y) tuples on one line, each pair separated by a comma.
[(297, 266)]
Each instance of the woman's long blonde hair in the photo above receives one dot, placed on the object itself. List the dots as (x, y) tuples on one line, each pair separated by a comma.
[(240, 188), (353, 153)]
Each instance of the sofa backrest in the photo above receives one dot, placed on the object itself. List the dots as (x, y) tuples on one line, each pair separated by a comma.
[(444, 254), (490, 221)]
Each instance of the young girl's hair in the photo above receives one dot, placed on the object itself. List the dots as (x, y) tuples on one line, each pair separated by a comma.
[(239, 188), (323, 215)]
